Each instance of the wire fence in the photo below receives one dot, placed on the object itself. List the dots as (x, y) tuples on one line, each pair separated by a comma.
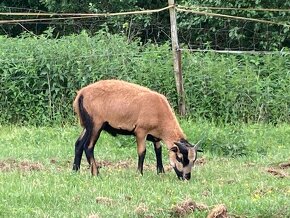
[(230, 35), (222, 32), (194, 10)]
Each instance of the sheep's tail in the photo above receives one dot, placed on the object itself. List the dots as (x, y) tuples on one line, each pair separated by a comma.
[(82, 113), (78, 108), (84, 117)]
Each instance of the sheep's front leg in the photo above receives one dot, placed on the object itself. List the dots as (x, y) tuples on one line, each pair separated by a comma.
[(158, 152), (141, 149)]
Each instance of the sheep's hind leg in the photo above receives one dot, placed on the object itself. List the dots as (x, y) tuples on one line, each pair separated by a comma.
[(89, 150), (79, 148), (158, 152)]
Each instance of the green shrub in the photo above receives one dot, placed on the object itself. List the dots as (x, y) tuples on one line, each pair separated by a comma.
[(40, 76), (238, 88)]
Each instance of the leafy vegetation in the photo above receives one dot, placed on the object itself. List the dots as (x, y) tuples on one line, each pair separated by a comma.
[(244, 88), (40, 76), (36, 177), (195, 31)]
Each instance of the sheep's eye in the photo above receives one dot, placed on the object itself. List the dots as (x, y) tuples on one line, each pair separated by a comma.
[(178, 159)]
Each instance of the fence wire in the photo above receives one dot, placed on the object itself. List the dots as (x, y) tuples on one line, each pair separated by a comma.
[(223, 38)]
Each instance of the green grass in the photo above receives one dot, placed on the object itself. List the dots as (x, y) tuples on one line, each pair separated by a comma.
[(51, 190)]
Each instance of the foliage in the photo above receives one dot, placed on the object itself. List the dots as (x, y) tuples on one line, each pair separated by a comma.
[(40, 77), (195, 31), (212, 32), (230, 88)]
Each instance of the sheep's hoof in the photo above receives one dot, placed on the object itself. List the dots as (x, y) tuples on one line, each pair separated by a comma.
[(160, 170)]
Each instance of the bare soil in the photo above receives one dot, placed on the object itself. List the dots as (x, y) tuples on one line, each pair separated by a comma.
[(186, 207), (219, 211), (104, 200), (277, 172), (141, 209), (27, 165), (284, 165), (24, 166)]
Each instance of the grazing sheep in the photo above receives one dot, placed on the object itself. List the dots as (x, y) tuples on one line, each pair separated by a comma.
[(119, 107)]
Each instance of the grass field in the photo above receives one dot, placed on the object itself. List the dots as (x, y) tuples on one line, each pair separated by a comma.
[(36, 178)]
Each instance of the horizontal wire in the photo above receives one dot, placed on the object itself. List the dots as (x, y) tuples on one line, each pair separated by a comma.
[(77, 15), (93, 15), (238, 52), (43, 19), (197, 7), (89, 14), (232, 17)]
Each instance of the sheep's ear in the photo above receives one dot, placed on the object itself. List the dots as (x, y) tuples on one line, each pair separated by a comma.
[(174, 149), (182, 147), (197, 147)]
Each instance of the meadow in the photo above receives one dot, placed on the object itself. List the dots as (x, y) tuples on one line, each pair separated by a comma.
[(250, 181), (237, 105)]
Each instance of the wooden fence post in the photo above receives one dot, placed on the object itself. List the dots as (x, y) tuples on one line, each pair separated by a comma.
[(177, 60)]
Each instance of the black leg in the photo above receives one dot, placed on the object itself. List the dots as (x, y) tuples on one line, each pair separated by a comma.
[(79, 148), (158, 152), (141, 158)]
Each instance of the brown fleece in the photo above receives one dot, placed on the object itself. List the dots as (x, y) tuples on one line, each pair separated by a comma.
[(130, 107)]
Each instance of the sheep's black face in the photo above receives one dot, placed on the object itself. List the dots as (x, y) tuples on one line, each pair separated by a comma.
[(182, 158)]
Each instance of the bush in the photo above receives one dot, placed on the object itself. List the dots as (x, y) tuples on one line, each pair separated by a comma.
[(40, 76), (238, 88)]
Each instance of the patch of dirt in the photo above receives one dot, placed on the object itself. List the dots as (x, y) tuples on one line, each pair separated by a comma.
[(167, 168), (284, 165), (23, 166), (201, 161), (128, 198), (94, 216), (126, 164), (219, 211), (277, 172), (186, 207), (104, 200), (206, 193), (122, 164), (201, 206), (53, 161), (141, 209)]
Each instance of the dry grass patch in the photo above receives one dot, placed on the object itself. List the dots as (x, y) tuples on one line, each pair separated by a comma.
[(186, 207), (277, 172), (23, 166), (284, 165), (219, 211), (104, 200)]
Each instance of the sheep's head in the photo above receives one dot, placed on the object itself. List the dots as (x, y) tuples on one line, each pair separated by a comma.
[(182, 157)]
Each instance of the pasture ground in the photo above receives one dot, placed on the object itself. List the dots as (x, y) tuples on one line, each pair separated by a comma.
[(36, 178)]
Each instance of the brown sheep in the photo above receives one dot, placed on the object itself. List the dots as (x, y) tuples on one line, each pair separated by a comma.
[(119, 107)]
